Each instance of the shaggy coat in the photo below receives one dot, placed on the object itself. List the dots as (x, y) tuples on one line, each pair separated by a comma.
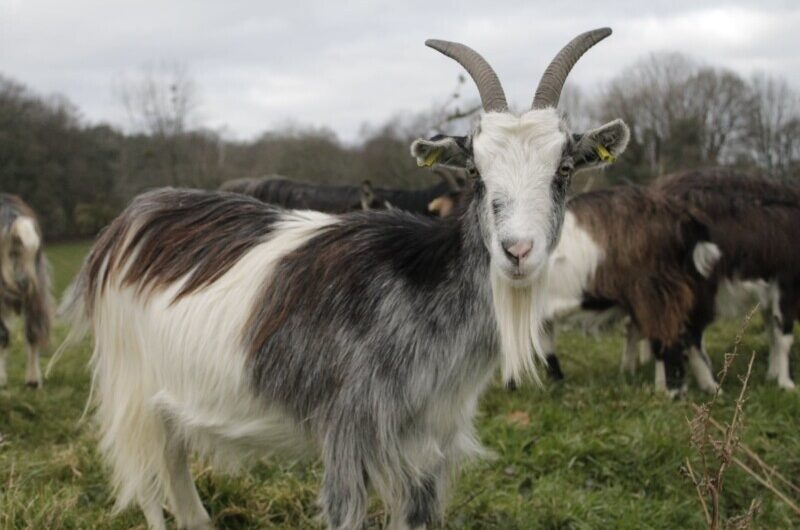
[(24, 283), (631, 251), (754, 221), (390, 297), (227, 325)]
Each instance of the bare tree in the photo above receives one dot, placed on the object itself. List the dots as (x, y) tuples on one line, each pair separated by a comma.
[(160, 101), (773, 125)]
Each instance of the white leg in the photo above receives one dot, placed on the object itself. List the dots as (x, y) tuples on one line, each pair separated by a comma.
[(775, 336), (153, 514), (661, 377), (702, 370), (784, 349), (629, 360), (183, 497), (33, 373), (3, 374), (645, 352)]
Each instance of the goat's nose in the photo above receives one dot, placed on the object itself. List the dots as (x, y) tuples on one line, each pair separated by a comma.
[(517, 251)]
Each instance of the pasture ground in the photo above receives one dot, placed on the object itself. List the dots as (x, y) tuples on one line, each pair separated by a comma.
[(598, 451)]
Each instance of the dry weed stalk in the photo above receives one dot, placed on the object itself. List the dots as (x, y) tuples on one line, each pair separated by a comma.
[(716, 454)]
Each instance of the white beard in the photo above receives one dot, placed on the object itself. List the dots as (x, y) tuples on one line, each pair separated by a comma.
[(519, 311)]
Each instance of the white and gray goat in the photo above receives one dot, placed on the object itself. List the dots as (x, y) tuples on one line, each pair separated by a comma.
[(235, 328), (24, 284)]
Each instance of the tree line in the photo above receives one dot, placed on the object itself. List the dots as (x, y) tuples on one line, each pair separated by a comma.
[(78, 176)]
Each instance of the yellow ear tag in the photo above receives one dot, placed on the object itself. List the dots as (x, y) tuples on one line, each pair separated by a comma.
[(604, 154), (431, 159)]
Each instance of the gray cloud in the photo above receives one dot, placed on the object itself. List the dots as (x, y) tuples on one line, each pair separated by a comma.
[(260, 64)]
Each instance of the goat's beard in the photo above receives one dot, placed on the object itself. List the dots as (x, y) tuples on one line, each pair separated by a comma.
[(518, 310)]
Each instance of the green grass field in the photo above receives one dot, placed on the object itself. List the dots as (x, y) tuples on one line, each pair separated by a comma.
[(600, 450)]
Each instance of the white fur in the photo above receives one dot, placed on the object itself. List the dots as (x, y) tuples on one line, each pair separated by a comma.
[(572, 267), (171, 375), (23, 230), (702, 371), (517, 157), (705, 256), (519, 315)]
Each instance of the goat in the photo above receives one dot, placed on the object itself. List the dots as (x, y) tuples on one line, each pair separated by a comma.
[(753, 220), (236, 328), (631, 251), (24, 284), (341, 198)]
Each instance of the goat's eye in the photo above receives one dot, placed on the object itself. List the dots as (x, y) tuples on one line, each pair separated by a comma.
[(565, 169)]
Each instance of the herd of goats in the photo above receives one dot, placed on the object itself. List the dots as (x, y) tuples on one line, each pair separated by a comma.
[(275, 316)]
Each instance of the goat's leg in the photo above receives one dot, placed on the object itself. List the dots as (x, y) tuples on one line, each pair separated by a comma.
[(772, 324), (5, 339), (701, 368), (548, 341), (669, 368), (343, 496), (36, 332), (153, 514), (33, 372), (784, 314), (633, 336), (181, 491), (420, 508)]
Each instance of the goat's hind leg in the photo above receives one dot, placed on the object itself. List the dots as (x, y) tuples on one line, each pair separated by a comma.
[(181, 491), (5, 340), (343, 496)]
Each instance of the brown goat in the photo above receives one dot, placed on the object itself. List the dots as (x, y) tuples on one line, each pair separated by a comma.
[(754, 221), (633, 251)]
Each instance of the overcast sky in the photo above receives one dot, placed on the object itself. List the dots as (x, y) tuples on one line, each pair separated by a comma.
[(261, 64)]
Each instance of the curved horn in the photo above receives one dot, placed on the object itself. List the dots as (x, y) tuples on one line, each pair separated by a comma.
[(492, 96), (549, 89)]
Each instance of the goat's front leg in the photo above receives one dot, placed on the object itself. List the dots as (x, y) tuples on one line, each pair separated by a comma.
[(37, 329), (669, 368)]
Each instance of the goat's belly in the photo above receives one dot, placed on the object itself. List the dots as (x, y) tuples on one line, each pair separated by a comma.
[(184, 364), (232, 436), (736, 297)]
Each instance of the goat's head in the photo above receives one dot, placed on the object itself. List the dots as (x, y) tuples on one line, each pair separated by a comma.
[(522, 164)]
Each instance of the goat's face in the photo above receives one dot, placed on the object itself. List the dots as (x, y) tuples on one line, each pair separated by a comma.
[(517, 159), (523, 166), (523, 163)]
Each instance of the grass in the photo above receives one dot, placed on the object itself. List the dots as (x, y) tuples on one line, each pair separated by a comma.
[(598, 451)]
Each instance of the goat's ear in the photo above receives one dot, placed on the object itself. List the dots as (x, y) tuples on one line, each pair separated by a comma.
[(447, 151), (601, 146)]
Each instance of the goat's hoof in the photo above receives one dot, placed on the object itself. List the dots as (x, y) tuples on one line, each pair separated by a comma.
[(202, 526), (786, 384), (33, 384)]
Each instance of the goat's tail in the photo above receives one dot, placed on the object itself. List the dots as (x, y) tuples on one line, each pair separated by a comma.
[(705, 256)]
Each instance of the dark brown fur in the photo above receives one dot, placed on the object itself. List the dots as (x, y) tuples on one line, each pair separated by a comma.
[(754, 220), (648, 269)]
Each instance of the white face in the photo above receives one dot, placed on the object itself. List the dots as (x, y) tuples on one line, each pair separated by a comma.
[(518, 158)]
